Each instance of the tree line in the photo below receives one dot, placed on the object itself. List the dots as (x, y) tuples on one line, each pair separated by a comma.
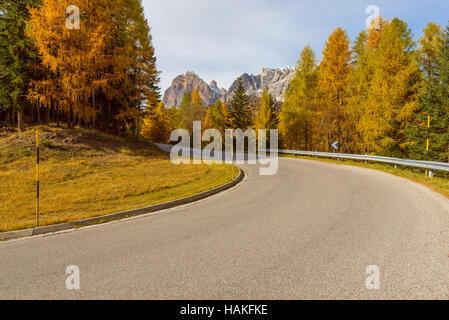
[(238, 113), (99, 76), (374, 95)]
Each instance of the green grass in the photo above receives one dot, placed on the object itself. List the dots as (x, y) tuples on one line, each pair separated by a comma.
[(440, 183), (85, 174)]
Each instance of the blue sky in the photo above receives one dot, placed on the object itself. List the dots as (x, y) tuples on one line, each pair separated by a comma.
[(221, 39)]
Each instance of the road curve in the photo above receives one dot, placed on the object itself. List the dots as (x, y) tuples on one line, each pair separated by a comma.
[(308, 232)]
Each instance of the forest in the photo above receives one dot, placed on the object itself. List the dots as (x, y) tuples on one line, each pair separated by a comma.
[(373, 94), (100, 76)]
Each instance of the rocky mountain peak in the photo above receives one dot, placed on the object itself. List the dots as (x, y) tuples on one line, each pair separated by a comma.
[(214, 84), (276, 81), (187, 83)]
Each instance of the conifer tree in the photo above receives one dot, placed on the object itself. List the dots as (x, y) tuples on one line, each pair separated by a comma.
[(156, 124), (219, 116), (335, 72), (191, 109), (430, 44), (433, 102), (101, 74), (19, 62), (396, 83), (267, 117), (299, 112), (241, 116), (208, 122)]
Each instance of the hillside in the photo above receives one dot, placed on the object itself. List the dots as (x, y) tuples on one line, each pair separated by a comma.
[(84, 173)]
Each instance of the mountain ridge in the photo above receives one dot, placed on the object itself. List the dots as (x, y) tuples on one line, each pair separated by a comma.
[(276, 81)]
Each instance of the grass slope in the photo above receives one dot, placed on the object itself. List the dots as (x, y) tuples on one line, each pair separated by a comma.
[(84, 173), (440, 183)]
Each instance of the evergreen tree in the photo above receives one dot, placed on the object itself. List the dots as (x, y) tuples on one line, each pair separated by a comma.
[(241, 115), (18, 57), (433, 102)]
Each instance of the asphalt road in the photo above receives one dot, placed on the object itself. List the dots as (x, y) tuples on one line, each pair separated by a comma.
[(308, 232)]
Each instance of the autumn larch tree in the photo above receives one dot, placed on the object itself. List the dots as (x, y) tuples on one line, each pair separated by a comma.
[(219, 116), (191, 110), (156, 124), (335, 73), (396, 84), (299, 124), (267, 116), (100, 74), (429, 46)]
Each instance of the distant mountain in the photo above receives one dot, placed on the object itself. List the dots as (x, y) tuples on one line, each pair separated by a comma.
[(276, 81), (209, 93)]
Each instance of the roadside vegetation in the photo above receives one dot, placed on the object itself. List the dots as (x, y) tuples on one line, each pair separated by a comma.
[(439, 183), (84, 173)]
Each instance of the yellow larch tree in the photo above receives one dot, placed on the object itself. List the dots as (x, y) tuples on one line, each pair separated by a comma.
[(335, 73)]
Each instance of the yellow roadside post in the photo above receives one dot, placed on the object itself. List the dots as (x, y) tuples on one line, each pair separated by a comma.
[(37, 177), (428, 141), (232, 152)]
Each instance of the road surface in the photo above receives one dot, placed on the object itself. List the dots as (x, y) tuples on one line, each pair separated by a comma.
[(308, 232)]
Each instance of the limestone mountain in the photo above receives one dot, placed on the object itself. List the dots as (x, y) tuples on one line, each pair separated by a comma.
[(276, 81), (209, 93)]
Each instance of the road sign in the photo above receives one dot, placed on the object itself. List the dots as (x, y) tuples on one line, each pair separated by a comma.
[(336, 145)]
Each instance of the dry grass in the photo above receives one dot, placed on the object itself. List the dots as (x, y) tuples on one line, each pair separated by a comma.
[(440, 183), (85, 174)]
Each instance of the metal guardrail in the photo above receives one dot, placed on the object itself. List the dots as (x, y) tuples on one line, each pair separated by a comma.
[(429, 165)]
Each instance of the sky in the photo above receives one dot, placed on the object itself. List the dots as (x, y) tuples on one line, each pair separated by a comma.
[(222, 39)]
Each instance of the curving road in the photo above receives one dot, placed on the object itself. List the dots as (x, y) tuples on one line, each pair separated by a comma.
[(308, 232)]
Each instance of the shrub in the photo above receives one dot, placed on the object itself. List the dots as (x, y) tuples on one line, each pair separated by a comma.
[(25, 152), (46, 143)]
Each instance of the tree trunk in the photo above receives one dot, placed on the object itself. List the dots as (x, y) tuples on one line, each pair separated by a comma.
[(20, 120), (47, 116), (38, 114), (11, 118), (69, 120), (95, 111)]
